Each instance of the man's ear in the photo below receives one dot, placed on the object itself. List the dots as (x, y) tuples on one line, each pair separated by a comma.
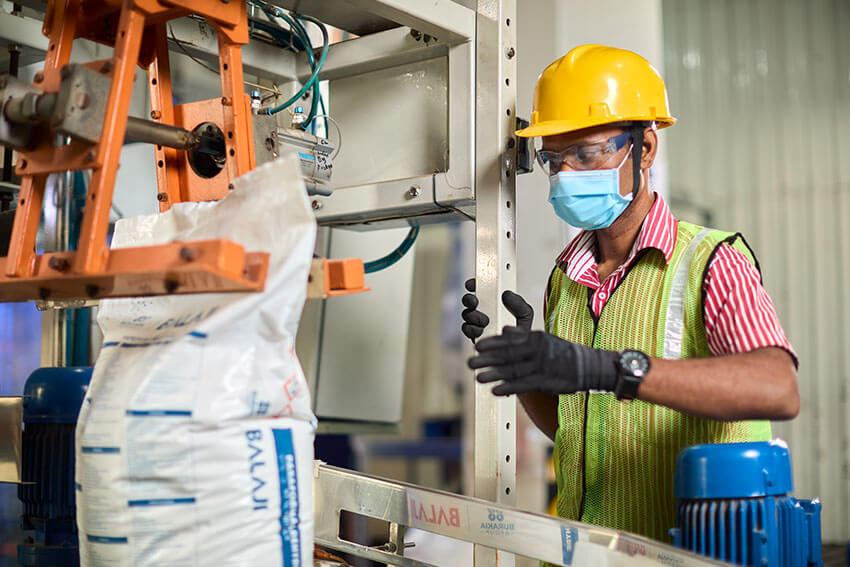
[(650, 148)]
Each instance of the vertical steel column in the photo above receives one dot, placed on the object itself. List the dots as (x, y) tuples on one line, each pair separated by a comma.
[(57, 230), (495, 258)]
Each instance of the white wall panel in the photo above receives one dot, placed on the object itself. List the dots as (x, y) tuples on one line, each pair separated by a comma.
[(762, 91)]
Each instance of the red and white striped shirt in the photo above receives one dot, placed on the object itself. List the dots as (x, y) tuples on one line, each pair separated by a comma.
[(739, 315)]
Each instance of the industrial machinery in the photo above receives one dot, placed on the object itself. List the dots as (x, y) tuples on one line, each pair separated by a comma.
[(86, 105), (448, 66), (52, 400), (735, 505)]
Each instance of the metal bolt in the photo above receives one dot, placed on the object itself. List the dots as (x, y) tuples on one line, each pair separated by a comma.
[(316, 204), (66, 71), (225, 101), (189, 253), (416, 34), (171, 285), (162, 196), (413, 192), (510, 52), (426, 38), (511, 143), (269, 144), (230, 187), (83, 100), (39, 77), (107, 66), (155, 114), (58, 264), (89, 157)]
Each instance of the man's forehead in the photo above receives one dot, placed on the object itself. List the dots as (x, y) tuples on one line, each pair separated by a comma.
[(595, 134)]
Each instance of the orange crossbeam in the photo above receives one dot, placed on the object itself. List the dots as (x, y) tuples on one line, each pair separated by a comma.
[(175, 268)]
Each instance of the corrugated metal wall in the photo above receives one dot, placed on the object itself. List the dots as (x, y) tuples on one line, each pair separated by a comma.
[(762, 91)]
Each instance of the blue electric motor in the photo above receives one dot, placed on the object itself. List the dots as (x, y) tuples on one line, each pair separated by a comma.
[(51, 403), (734, 504)]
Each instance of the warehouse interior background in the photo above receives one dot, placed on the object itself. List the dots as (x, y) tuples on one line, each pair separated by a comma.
[(761, 90)]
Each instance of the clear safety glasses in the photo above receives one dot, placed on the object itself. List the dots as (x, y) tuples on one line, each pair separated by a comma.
[(581, 157)]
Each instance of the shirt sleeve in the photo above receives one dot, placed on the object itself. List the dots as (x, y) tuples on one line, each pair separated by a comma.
[(739, 314)]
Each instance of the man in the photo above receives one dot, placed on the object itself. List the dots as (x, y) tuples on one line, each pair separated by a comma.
[(658, 333)]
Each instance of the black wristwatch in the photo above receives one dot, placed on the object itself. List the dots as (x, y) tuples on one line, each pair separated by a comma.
[(632, 366)]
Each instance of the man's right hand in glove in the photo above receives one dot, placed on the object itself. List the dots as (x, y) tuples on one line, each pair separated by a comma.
[(474, 321)]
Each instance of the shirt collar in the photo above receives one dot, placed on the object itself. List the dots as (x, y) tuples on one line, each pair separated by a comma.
[(578, 260)]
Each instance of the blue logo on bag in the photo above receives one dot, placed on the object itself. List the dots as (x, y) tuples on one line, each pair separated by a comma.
[(290, 516)]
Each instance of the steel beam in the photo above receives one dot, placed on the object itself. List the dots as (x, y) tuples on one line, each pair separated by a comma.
[(196, 36), (494, 437), (22, 31), (373, 52), (443, 19)]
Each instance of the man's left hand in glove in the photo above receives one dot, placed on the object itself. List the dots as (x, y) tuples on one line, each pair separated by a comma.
[(534, 361)]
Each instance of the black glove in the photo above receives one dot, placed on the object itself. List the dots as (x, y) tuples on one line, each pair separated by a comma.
[(534, 361), (475, 321)]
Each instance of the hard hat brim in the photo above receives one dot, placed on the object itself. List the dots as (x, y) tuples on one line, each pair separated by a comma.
[(554, 127)]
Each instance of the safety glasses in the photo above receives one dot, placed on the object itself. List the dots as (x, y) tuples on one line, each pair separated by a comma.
[(581, 157)]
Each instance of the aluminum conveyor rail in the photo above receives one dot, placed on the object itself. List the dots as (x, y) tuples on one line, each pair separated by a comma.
[(560, 542)]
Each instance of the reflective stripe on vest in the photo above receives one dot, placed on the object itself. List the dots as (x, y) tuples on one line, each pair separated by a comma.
[(674, 329)]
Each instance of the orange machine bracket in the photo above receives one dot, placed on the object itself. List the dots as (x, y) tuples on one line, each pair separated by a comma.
[(136, 30), (332, 278)]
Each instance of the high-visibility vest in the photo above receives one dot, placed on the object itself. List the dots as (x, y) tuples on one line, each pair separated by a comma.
[(614, 461)]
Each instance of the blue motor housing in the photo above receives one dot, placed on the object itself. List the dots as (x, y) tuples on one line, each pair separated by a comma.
[(51, 404), (735, 505)]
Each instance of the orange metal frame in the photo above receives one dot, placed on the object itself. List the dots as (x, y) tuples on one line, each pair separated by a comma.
[(136, 29)]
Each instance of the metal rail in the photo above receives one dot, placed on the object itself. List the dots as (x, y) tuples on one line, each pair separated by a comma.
[(493, 526)]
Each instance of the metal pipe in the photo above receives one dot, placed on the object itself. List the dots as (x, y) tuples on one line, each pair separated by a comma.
[(141, 130), (34, 108)]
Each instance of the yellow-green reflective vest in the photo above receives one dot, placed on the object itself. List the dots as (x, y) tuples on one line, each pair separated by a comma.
[(614, 461)]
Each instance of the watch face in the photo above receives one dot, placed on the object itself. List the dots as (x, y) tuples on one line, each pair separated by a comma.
[(635, 363)]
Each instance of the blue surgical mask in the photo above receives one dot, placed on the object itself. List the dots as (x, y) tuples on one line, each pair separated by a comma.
[(588, 199)]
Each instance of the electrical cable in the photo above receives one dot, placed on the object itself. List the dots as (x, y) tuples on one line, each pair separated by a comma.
[(395, 255), (297, 30), (317, 95), (278, 13)]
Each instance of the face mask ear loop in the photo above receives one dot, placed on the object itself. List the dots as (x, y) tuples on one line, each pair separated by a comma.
[(637, 151)]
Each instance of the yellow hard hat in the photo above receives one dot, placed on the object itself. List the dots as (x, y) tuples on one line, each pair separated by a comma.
[(594, 85)]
